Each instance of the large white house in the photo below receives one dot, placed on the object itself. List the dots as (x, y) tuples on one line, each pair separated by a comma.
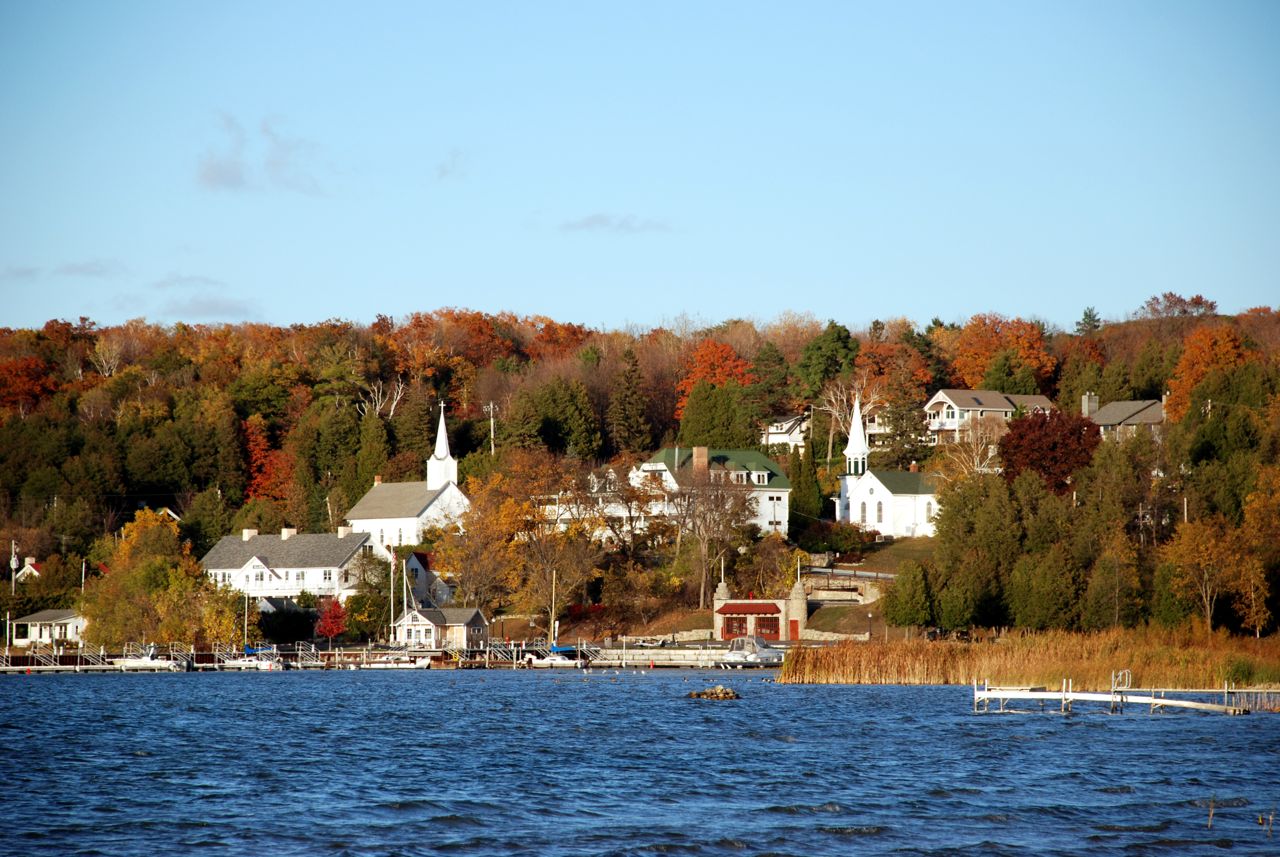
[(672, 470), (891, 502), (395, 513), (951, 411), (288, 564)]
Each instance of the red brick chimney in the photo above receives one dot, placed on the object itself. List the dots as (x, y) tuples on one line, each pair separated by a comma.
[(701, 462)]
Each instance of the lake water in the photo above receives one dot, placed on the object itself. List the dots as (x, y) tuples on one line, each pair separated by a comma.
[(531, 763)]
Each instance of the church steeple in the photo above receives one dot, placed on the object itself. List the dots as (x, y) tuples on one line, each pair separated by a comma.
[(856, 450), (442, 468)]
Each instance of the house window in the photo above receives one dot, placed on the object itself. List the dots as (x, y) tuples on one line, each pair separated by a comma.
[(328, 575), (415, 574), (761, 478), (300, 577), (879, 512), (950, 412), (928, 510), (257, 575), (862, 518), (381, 541), (400, 536)]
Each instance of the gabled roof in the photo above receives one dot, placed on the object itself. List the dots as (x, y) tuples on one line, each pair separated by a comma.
[(47, 616), (991, 400), (395, 500), (725, 461), (1141, 412), (305, 550), (904, 482), (444, 616)]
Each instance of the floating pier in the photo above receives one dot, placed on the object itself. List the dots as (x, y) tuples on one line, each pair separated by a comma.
[(1120, 695)]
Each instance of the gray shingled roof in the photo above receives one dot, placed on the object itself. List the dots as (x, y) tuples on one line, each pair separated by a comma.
[(1140, 412), (992, 400), (902, 482), (305, 550), (45, 616), (394, 500)]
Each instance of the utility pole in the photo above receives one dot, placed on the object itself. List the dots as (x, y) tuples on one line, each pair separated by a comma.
[(490, 411)]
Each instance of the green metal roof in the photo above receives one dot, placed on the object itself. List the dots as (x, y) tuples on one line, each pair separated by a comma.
[(904, 482), (728, 460)]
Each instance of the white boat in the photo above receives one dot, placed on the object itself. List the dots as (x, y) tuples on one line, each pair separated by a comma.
[(398, 662), (148, 661), (251, 662), (555, 660), (750, 652)]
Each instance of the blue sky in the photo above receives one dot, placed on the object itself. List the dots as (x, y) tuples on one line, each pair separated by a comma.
[(624, 164)]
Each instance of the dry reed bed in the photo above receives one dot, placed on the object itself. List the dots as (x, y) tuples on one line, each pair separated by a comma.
[(1157, 658)]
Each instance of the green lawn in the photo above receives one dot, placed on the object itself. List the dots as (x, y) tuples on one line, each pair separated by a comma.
[(886, 557)]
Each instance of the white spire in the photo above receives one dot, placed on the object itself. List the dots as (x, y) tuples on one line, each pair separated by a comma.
[(442, 438), (856, 450), (442, 468)]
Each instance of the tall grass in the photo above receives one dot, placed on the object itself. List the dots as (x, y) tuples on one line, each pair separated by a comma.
[(1157, 658)]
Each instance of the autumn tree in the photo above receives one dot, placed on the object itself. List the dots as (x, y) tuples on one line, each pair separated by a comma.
[(332, 620), (1054, 444), (715, 364), (988, 336), (1200, 554), (1204, 350)]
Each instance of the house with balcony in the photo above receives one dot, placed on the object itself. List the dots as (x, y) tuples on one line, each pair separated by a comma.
[(288, 564), (395, 513), (950, 412)]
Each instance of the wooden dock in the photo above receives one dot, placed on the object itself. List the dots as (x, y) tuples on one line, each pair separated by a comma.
[(1120, 695)]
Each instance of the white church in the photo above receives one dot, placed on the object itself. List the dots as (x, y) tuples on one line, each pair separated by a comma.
[(892, 502), (395, 513)]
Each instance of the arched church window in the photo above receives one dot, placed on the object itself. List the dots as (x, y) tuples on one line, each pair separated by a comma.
[(863, 517), (879, 512)]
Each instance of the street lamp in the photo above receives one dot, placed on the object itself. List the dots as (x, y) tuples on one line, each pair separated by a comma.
[(869, 615)]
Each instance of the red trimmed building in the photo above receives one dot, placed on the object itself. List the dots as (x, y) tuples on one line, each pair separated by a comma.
[(773, 619)]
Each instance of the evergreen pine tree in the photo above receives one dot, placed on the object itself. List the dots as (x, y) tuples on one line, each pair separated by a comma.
[(629, 430), (770, 391), (582, 428)]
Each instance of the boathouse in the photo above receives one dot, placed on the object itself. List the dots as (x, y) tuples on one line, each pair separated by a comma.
[(770, 619), (441, 628)]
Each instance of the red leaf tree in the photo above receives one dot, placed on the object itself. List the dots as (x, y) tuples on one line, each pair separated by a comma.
[(1055, 445), (715, 363), (332, 621)]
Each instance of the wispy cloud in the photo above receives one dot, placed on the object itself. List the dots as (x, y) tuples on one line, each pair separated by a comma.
[(270, 159), (19, 273), (226, 169), (97, 268), (626, 224), (285, 160), (454, 166), (210, 308), (187, 281)]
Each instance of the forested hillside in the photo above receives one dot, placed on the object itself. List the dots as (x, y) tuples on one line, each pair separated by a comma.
[(255, 425)]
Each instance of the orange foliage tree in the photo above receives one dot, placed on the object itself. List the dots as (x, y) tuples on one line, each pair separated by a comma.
[(989, 334), (715, 363), (1204, 350)]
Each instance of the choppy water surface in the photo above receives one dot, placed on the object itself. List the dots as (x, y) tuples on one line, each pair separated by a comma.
[(522, 763)]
